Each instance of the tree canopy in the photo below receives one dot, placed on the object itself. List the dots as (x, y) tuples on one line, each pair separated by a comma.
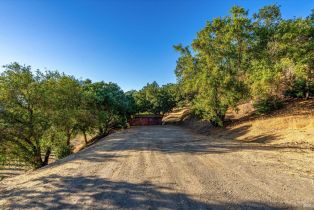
[(40, 112), (238, 58)]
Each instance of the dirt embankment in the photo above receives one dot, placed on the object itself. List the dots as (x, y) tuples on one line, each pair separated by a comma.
[(291, 126)]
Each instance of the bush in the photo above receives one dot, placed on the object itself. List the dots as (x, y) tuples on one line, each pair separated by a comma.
[(299, 89), (62, 150), (267, 105)]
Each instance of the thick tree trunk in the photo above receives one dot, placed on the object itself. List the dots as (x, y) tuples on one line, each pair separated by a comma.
[(38, 162), (100, 130)]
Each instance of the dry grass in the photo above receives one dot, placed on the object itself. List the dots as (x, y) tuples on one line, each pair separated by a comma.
[(243, 110), (78, 142), (292, 125), (176, 116)]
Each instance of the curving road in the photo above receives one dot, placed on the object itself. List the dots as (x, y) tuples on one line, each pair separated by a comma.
[(168, 167)]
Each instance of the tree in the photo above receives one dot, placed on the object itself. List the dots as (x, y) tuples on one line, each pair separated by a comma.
[(154, 99), (175, 95), (111, 106), (264, 77), (235, 59), (41, 112), (23, 120), (297, 49), (86, 120), (186, 72), (215, 74), (65, 97)]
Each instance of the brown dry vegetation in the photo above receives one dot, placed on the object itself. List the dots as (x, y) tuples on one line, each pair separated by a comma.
[(291, 126)]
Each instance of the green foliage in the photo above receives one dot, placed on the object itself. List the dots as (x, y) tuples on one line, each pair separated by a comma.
[(237, 58), (23, 117), (155, 99), (110, 106), (213, 77), (267, 105), (62, 150), (299, 89), (41, 112)]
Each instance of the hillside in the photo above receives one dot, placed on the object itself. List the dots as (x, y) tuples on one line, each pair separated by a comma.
[(293, 125)]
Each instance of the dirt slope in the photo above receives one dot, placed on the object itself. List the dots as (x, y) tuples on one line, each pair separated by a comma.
[(291, 126), (167, 167)]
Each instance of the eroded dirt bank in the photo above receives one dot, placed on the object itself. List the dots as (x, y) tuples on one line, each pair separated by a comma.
[(167, 167)]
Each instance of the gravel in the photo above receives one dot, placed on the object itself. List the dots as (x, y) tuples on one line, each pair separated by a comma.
[(168, 167)]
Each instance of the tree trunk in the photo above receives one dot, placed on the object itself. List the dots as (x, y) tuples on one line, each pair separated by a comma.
[(38, 162), (100, 130), (85, 137), (68, 138), (307, 93), (47, 155)]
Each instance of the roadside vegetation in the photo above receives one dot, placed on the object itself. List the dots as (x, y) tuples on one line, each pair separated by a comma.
[(239, 58), (156, 99), (41, 112)]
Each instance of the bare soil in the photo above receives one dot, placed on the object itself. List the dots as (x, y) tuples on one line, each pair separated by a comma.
[(168, 167), (293, 125)]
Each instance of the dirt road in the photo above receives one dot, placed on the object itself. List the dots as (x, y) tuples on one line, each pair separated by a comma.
[(167, 167)]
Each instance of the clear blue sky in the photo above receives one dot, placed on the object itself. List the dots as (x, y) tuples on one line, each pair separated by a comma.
[(127, 42)]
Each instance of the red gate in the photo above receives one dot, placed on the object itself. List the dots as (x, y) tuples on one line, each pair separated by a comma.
[(146, 120)]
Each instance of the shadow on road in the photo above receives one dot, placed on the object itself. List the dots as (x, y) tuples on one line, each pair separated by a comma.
[(67, 192), (173, 139)]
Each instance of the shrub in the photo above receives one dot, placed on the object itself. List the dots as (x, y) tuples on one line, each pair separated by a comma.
[(267, 105), (62, 150), (299, 89)]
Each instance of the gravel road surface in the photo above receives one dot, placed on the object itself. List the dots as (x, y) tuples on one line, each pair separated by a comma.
[(168, 167)]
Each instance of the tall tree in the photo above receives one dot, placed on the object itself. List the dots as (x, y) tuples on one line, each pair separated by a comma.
[(221, 61), (23, 120)]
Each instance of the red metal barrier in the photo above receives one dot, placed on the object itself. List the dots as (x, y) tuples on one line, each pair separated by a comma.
[(146, 120)]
